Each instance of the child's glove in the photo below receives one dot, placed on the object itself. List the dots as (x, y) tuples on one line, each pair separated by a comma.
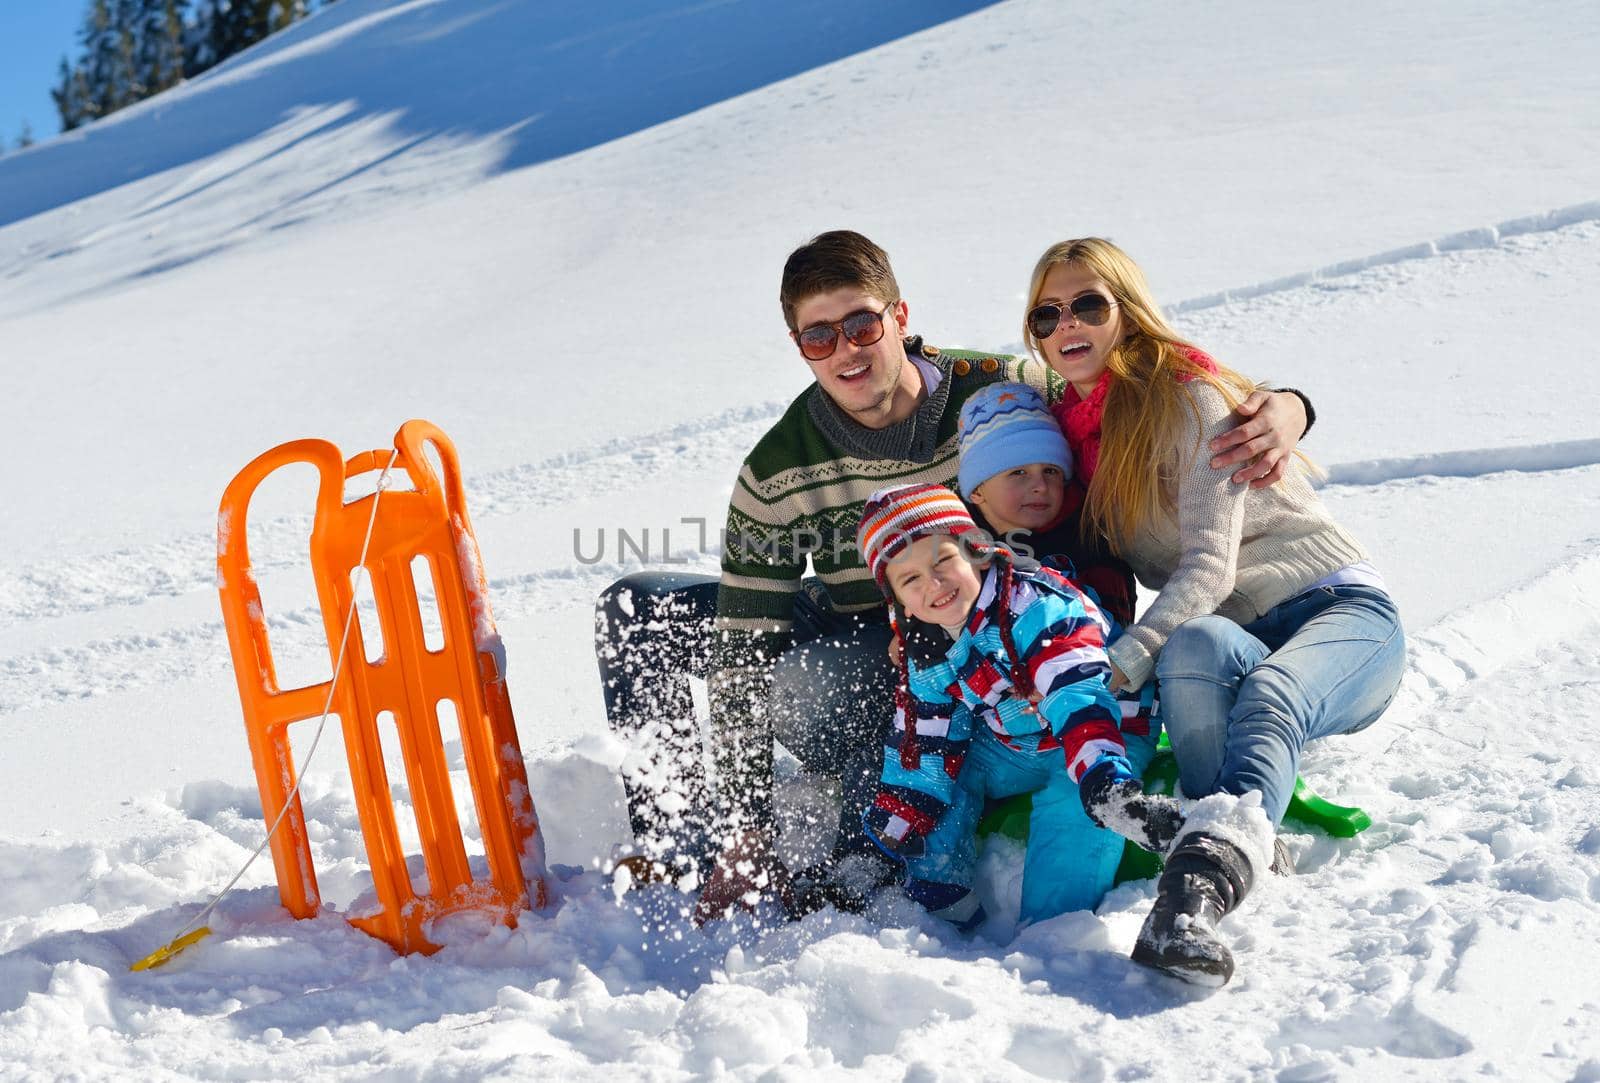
[(1115, 799)]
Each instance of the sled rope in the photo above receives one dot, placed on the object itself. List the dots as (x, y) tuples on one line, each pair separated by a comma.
[(194, 931)]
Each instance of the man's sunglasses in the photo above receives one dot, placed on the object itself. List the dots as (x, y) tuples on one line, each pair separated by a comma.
[(863, 328), (1090, 308)]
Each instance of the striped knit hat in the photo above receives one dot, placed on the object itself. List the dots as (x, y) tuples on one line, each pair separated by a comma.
[(894, 518), (1004, 426)]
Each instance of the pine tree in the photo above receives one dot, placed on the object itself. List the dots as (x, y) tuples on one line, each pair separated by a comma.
[(25, 137), (198, 51), (95, 66), (235, 25), (66, 102), (108, 59), (73, 100), (131, 49), (160, 61), (130, 85), (285, 12)]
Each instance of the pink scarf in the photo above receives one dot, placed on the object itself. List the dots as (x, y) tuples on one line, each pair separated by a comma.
[(1080, 416)]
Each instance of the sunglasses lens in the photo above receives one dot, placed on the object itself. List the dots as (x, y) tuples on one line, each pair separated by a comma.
[(1092, 309), (862, 328), (817, 343), (1044, 320)]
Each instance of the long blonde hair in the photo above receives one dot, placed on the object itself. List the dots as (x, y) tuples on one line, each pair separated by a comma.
[(1149, 386)]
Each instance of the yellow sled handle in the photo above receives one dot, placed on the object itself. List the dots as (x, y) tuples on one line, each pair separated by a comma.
[(162, 954)]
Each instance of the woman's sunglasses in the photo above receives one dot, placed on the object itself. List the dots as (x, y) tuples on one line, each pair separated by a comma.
[(1091, 308), (863, 328)]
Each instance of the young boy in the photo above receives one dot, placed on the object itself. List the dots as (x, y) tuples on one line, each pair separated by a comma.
[(1003, 690), (1016, 476)]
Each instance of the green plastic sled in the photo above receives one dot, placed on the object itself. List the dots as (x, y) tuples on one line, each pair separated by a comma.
[(1009, 816)]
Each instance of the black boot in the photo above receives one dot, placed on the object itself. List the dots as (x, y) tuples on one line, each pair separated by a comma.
[(847, 884), (1205, 878)]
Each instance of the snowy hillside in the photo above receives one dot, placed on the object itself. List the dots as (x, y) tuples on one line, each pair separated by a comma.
[(556, 231)]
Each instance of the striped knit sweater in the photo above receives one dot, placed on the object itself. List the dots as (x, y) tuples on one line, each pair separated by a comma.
[(799, 496), (1059, 636)]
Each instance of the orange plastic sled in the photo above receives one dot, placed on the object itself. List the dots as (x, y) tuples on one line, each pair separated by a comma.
[(409, 680)]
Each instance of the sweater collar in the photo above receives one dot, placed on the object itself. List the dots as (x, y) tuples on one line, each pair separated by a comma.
[(914, 439)]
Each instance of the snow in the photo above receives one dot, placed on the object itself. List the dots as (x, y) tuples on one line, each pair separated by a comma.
[(1238, 820), (557, 232)]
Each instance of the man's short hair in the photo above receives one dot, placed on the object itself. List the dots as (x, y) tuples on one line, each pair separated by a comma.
[(838, 259)]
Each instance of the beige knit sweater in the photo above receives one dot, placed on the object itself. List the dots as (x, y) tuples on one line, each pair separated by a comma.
[(1231, 550)]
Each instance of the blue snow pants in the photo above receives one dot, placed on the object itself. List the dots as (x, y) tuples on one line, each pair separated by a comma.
[(1071, 861)]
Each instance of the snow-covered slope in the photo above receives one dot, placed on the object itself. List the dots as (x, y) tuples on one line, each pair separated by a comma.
[(557, 232)]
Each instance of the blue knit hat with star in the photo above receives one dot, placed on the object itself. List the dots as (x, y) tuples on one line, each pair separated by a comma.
[(1004, 426)]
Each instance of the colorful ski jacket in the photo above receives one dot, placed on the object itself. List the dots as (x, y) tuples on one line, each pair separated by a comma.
[(1045, 690), (1062, 547)]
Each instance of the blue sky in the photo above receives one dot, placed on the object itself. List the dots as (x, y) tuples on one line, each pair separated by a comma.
[(34, 35)]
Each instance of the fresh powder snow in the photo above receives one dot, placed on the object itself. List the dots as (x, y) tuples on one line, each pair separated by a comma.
[(557, 231)]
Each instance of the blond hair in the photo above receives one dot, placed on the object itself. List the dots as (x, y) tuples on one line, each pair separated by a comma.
[(1151, 372)]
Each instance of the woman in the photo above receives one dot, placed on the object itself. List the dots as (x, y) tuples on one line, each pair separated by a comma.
[(1271, 627)]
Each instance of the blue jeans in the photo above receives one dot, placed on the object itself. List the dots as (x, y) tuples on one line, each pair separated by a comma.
[(831, 700), (1240, 702), (1071, 861)]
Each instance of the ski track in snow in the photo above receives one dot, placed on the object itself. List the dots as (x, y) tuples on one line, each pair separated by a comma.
[(128, 577), (108, 665), (104, 666), (1460, 241), (1562, 455)]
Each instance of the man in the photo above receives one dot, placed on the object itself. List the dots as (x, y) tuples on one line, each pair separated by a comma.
[(806, 660)]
